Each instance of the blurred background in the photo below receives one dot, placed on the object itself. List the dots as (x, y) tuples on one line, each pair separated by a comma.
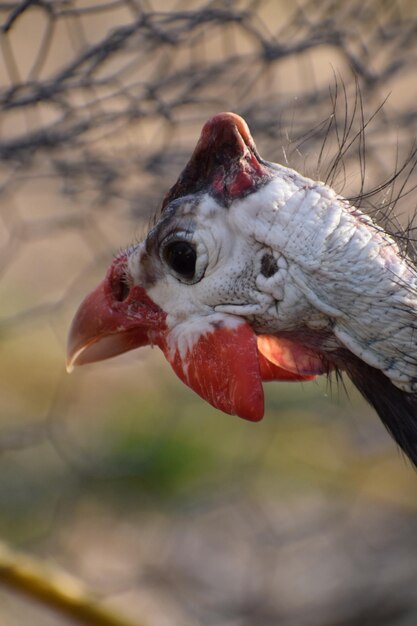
[(171, 512)]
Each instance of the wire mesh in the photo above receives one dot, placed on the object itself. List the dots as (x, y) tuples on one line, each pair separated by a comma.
[(171, 512)]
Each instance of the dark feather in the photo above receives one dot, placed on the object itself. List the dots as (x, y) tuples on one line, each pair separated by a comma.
[(396, 408)]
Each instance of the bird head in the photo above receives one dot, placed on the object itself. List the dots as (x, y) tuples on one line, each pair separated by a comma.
[(197, 286)]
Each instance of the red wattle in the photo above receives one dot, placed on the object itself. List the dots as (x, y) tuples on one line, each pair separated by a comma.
[(227, 363), (291, 357), (222, 367), (270, 371)]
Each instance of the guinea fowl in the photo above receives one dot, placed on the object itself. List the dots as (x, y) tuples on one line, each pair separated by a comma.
[(255, 273)]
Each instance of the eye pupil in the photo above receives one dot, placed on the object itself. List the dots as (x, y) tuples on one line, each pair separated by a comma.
[(181, 257)]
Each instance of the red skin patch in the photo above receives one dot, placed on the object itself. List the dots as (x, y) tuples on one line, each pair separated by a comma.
[(222, 367), (291, 357), (270, 372)]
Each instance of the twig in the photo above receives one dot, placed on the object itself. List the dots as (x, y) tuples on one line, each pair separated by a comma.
[(55, 589)]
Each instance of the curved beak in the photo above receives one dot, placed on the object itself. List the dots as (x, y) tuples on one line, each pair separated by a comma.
[(113, 319)]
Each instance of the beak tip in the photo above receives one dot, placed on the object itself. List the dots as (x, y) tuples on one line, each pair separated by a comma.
[(72, 359)]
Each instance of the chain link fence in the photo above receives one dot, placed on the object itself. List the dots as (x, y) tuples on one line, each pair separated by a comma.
[(172, 513)]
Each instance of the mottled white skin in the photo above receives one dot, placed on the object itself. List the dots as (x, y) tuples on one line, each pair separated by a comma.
[(337, 273)]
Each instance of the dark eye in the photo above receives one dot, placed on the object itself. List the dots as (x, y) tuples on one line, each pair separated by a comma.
[(181, 257)]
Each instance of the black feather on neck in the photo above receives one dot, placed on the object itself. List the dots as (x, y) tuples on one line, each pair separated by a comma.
[(396, 408)]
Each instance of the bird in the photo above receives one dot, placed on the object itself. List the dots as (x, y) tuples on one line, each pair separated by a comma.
[(253, 272)]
